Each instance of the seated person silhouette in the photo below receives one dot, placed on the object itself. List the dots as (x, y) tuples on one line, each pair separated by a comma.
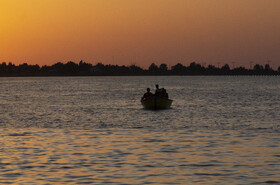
[(164, 94), (147, 94), (158, 91)]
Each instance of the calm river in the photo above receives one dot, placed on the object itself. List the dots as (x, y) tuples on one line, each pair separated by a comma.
[(93, 130)]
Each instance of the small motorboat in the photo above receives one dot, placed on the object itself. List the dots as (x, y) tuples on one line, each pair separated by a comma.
[(156, 102)]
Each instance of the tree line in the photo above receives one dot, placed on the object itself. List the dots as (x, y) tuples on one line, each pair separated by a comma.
[(86, 69)]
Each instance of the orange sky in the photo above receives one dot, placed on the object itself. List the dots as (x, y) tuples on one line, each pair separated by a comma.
[(140, 31)]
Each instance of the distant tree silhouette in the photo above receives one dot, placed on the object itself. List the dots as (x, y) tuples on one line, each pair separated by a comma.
[(58, 68), (195, 69), (3, 68), (163, 67), (153, 68), (179, 69), (225, 67), (258, 67), (83, 68), (212, 70), (11, 68), (240, 71), (135, 69), (267, 67), (225, 70), (71, 68)]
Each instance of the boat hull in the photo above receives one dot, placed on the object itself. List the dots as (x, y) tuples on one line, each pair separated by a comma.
[(156, 103)]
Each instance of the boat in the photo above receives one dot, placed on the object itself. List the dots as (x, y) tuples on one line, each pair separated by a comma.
[(156, 103)]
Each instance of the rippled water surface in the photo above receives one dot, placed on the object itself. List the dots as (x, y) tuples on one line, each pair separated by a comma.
[(93, 130)]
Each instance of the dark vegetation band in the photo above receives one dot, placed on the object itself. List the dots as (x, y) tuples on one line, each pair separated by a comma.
[(87, 69)]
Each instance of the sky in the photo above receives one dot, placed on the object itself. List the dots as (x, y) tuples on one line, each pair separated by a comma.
[(141, 32)]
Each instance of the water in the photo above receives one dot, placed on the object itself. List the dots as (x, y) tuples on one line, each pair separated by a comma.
[(93, 130)]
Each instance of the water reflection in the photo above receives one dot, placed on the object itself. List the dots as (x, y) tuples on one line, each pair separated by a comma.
[(137, 156), (93, 130)]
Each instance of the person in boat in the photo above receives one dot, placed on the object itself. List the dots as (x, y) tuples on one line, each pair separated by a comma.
[(164, 94), (161, 92), (158, 91), (147, 94)]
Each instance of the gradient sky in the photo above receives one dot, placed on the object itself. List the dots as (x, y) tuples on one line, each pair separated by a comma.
[(140, 31)]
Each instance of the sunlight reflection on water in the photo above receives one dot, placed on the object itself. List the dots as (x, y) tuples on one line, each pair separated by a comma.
[(137, 156), (93, 130)]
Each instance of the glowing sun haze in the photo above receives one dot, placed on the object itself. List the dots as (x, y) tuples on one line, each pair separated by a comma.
[(140, 31)]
